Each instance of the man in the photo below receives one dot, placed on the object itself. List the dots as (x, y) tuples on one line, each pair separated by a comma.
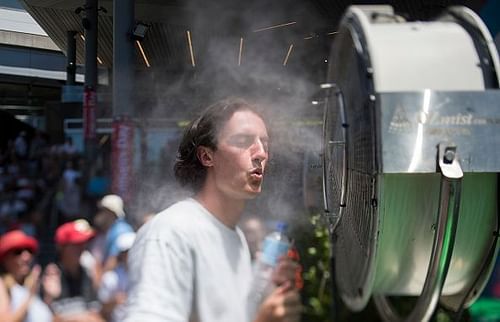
[(191, 262), (20, 301), (70, 203), (110, 221), (114, 284), (66, 286)]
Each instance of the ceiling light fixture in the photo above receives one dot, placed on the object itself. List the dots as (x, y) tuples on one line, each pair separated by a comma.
[(288, 54), (241, 50), (143, 54), (190, 44), (276, 26)]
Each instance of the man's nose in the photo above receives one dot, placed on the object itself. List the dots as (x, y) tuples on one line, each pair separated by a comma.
[(26, 255), (259, 151)]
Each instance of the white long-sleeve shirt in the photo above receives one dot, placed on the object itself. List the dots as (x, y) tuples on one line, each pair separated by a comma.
[(37, 310), (187, 266)]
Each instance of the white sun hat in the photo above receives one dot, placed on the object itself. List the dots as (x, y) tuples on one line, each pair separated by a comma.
[(113, 203)]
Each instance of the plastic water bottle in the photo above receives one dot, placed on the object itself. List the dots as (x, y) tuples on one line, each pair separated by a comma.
[(275, 245)]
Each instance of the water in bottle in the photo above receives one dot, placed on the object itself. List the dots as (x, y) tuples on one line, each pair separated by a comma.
[(275, 245)]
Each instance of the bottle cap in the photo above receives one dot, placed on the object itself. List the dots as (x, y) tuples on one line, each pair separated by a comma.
[(281, 226)]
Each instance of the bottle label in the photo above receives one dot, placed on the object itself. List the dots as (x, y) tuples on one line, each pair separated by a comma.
[(272, 250)]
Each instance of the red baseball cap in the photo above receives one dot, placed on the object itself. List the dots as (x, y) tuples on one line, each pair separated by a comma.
[(74, 232), (16, 239)]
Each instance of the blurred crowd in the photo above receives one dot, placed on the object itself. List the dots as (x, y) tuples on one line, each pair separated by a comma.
[(63, 238)]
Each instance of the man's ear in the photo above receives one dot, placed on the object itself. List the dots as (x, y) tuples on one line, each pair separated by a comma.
[(205, 155)]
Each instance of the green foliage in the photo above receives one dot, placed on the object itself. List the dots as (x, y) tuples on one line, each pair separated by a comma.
[(314, 248), (313, 243)]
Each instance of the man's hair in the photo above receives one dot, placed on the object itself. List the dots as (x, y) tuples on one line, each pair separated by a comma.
[(203, 131)]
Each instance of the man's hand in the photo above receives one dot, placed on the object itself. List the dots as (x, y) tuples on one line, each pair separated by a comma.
[(88, 316), (108, 306), (32, 281), (286, 271), (282, 305), (51, 282)]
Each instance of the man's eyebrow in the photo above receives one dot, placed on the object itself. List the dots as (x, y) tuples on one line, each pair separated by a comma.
[(249, 135), (240, 135)]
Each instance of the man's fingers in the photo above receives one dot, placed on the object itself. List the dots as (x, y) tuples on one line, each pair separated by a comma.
[(283, 304), (292, 305), (287, 296), (288, 269), (35, 272), (292, 297), (287, 263), (32, 281), (52, 269), (284, 287), (285, 271)]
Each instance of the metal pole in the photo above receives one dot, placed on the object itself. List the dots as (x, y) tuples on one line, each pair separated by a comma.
[(123, 98), (123, 58), (442, 246), (71, 58), (90, 88)]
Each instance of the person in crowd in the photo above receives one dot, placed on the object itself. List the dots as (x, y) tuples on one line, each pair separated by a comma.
[(68, 150), (37, 146), (21, 145), (98, 184), (70, 193), (110, 221), (66, 286), (14, 166), (36, 150), (114, 284), (254, 230), (191, 262), (19, 282), (51, 171)]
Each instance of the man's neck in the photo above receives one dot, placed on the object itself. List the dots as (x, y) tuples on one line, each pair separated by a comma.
[(225, 209), (71, 267)]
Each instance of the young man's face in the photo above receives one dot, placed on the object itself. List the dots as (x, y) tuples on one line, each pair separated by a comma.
[(241, 156), (72, 252), (17, 262)]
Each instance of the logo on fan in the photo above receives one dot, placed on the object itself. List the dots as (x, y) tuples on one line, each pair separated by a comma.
[(435, 118), (399, 122)]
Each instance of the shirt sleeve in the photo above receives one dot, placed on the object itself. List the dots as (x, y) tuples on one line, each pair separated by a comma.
[(120, 228), (161, 277), (108, 287)]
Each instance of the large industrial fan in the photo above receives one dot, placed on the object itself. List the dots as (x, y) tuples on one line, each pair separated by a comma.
[(411, 158)]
